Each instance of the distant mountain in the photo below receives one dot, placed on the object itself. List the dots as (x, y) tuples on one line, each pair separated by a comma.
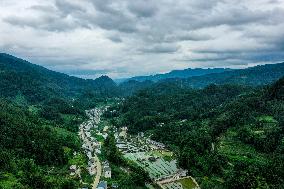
[(253, 76), (20, 78), (179, 74), (35, 83)]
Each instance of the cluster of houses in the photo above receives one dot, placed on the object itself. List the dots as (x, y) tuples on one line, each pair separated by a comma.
[(136, 144), (90, 145), (127, 144), (156, 145)]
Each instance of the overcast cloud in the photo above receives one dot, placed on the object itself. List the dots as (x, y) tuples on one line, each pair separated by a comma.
[(123, 38)]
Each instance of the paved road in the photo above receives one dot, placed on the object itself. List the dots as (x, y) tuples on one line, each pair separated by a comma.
[(99, 172)]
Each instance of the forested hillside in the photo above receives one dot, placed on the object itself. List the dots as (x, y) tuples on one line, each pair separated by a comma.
[(227, 136), (35, 83), (40, 111), (130, 87), (35, 151)]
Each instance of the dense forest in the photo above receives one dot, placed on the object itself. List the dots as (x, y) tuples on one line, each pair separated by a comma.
[(227, 136), (34, 148)]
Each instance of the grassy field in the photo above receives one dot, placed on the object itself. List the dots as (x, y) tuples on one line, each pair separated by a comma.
[(187, 183)]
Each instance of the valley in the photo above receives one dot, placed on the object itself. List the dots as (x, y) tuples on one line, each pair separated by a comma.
[(220, 130), (152, 156)]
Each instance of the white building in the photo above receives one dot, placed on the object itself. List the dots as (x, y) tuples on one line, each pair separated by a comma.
[(107, 172), (73, 169)]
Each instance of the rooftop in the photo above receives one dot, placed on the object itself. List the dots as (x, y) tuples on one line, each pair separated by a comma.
[(102, 184)]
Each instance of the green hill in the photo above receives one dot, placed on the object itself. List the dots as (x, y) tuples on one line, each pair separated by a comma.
[(35, 83), (40, 111)]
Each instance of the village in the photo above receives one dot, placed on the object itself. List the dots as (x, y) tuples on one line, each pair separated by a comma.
[(92, 148), (151, 155)]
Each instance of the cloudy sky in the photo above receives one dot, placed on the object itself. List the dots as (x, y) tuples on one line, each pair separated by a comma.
[(123, 38)]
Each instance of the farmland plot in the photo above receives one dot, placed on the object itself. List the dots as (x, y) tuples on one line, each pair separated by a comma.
[(186, 183), (157, 169)]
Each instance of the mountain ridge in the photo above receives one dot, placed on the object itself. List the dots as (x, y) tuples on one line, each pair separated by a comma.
[(185, 73), (252, 76), (35, 82), (21, 76)]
